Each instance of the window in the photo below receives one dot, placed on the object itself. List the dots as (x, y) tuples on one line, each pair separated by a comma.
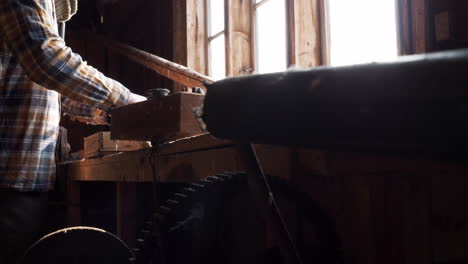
[(216, 39), (264, 36), (361, 31), (270, 36)]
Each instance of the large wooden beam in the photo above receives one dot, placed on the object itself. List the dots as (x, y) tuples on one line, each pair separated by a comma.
[(167, 117), (176, 72), (415, 104)]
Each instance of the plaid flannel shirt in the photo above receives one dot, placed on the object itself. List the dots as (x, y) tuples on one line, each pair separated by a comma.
[(39, 77)]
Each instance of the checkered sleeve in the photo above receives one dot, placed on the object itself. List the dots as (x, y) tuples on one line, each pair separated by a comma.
[(30, 31), (83, 112)]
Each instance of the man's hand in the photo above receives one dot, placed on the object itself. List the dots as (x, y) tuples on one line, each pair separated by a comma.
[(135, 98)]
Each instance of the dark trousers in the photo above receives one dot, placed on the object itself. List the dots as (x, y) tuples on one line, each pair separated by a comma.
[(22, 216)]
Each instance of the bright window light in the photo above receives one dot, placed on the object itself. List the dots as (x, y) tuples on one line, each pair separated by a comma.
[(362, 31), (217, 58), (271, 51), (216, 40), (216, 8)]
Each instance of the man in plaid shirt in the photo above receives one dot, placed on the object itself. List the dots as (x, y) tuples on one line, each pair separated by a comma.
[(39, 77)]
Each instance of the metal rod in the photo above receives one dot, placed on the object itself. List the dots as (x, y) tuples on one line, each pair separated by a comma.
[(260, 188)]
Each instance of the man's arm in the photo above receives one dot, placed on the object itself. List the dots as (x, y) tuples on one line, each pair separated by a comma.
[(30, 34), (83, 112)]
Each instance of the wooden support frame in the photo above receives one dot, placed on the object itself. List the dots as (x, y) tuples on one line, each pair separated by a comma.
[(306, 31), (412, 26), (126, 221), (239, 37)]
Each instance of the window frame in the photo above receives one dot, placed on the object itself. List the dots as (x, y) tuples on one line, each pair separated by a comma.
[(307, 33), (209, 39)]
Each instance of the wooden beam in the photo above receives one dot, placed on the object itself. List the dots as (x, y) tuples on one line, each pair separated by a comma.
[(416, 104), (413, 26), (197, 58), (126, 221), (168, 117), (239, 37), (420, 28), (307, 30), (176, 72)]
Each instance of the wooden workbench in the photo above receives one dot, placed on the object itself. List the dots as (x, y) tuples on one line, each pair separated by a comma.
[(183, 160), (179, 161)]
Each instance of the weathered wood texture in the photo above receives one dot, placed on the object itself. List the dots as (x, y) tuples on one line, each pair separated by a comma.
[(413, 26), (176, 72), (239, 37), (181, 160), (189, 35), (173, 116), (307, 33), (100, 144)]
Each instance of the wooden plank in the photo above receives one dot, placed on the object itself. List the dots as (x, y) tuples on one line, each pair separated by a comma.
[(126, 166), (420, 25), (100, 144), (137, 166), (239, 37), (171, 70), (188, 167), (197, 54), (179, 35), (405, 33), (413, 26), (195, 143), (449, 217), (172, 116), (307, 29)]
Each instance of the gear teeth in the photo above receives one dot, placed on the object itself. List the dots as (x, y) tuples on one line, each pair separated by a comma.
[(153, 229), (224, 176), (157, 218), (144, 233), (197, 185), (189, 191), (215, 179), (205, 182), (179, 196), (136, 252), (140, 242), (164, 209), (172, 202), (148, 225)]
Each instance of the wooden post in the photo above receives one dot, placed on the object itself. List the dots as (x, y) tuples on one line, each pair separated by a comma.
[(307, 33), (126, 212), (189, 35), (239, 37), (73, 202)]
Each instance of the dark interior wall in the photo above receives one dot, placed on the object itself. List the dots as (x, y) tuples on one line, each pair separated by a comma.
[(456, 26), (144, 24)]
